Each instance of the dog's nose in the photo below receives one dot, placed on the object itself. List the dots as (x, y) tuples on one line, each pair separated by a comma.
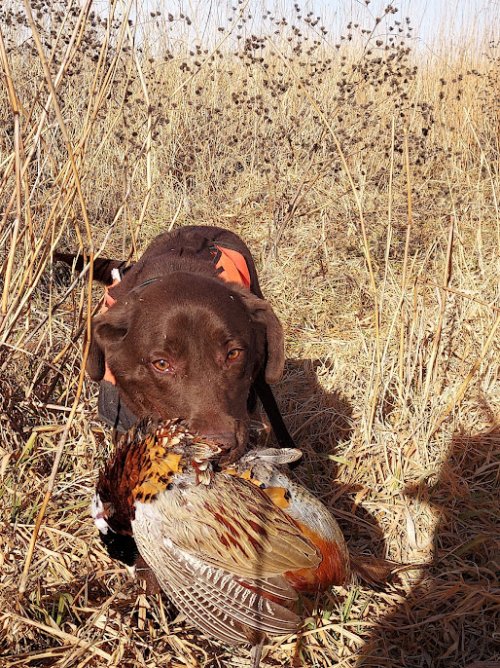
[(227, 439), (231, 435)]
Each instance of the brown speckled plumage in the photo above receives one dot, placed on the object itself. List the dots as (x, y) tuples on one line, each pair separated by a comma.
[(230, 547)]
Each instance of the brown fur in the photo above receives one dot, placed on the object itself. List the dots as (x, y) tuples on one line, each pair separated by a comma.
[(171, 305)]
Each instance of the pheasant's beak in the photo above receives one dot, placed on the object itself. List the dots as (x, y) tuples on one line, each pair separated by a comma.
[(99, 514), (131, 570)]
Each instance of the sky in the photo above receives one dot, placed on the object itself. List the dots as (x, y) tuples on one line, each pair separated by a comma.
[(435, 22), (448, 19)]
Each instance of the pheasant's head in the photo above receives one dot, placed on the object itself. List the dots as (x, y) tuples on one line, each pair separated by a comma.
[(146, 460), (101, 512), (144, 464), (116, 536)]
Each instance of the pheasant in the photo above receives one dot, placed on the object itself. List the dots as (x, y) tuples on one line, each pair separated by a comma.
[(231, 548)]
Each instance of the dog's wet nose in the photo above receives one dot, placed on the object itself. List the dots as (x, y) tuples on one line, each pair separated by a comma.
[(231, 435), (226, 439)]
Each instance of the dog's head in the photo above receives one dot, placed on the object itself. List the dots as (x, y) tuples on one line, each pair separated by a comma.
[(189, 346)]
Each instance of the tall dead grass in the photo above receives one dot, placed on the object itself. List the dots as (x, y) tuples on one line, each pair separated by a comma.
[(365, 178)]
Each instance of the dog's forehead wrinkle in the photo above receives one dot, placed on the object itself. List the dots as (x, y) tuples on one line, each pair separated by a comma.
[(184, 302), (213, 323), (201, 302)]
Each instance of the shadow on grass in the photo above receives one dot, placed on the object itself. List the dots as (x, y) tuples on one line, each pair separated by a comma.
[(451, 619), (320, 421)]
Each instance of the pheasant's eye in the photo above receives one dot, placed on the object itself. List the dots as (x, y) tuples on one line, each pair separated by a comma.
[(233, 354), (162, 366)]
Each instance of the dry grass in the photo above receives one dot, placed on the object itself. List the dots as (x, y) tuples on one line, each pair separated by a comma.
[(365, 179)]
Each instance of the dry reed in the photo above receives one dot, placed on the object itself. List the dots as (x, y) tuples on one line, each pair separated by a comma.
[(365, 179)]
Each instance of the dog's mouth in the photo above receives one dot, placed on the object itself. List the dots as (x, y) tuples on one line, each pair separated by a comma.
[(232, 444)]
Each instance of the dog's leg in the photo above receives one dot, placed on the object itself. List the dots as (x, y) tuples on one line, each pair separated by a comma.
[(266, 395), (102, 266)]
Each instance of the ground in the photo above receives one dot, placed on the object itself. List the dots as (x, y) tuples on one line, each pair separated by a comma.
[(363, 174)]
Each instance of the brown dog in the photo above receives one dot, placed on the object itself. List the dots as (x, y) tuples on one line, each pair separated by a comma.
[(188, 334)]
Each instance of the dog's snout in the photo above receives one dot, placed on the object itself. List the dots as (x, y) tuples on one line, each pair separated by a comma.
[(227, 439), (230, 434)]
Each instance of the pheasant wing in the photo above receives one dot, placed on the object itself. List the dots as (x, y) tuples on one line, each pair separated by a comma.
[(233, 525), (213, 599)]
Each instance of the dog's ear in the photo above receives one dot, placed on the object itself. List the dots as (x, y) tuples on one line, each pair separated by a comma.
[(261, 312), (108, 329)]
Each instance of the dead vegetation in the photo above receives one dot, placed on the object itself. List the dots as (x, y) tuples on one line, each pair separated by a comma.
[(365, 178)]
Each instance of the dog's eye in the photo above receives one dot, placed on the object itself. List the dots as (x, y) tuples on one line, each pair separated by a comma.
[(233, 354), (163, 366)]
